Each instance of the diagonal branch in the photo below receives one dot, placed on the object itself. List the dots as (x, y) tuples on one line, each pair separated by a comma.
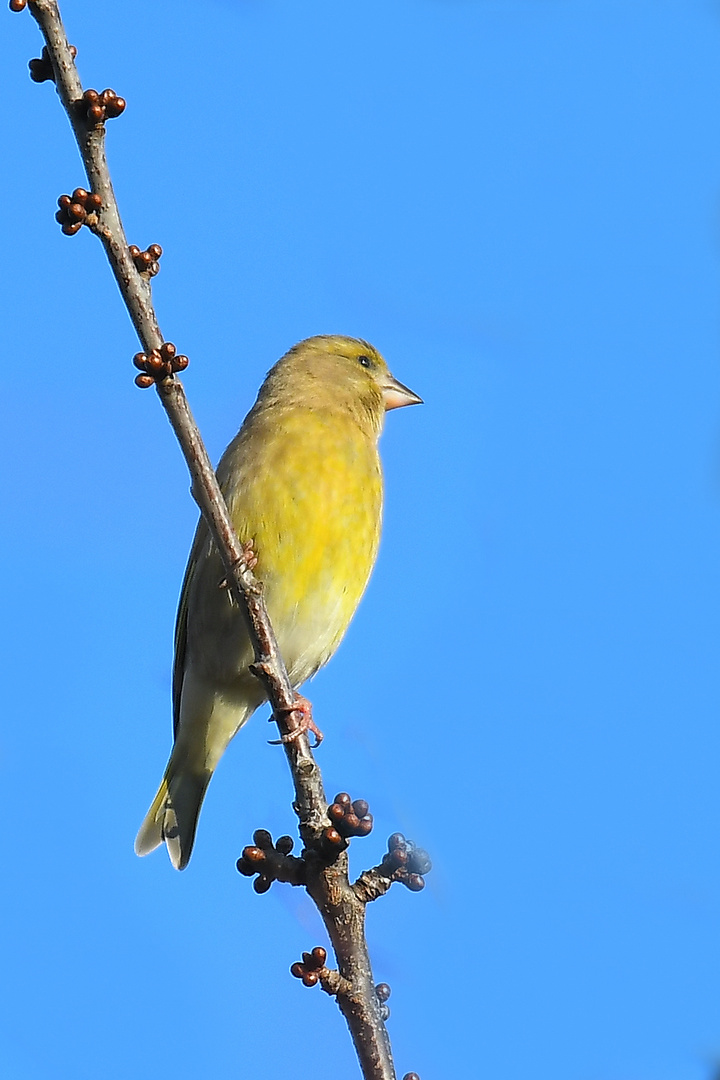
[(341, 906), (137, 294)]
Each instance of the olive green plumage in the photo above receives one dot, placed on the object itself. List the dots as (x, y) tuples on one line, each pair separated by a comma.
[(303, 482)]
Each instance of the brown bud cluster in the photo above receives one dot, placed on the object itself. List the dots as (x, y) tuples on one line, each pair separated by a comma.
[(411, 1076), (350, 818), (41, 69), (270, 861), (97, 107), (17, 5), (406, 862), (147, 262), (310, 968), (80, 208), (159, 364)]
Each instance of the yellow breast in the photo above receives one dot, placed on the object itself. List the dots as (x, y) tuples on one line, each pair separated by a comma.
[(306, 487)]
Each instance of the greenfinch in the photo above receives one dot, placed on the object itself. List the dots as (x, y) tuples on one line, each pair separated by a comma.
[(303, 485)]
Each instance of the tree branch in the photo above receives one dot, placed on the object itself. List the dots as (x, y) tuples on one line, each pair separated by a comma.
[(323, 867)]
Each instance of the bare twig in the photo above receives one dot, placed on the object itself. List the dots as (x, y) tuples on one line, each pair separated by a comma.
[(323, 867)]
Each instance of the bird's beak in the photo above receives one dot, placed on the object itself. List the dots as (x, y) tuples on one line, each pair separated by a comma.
[(395, 395)]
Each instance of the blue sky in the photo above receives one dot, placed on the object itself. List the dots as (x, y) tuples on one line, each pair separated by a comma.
[(517, 202)]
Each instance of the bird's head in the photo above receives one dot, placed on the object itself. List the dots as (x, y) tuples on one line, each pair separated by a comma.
[(331, 371)]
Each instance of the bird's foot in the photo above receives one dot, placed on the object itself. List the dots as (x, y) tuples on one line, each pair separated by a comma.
[(249, 560), (302, 712), (249, 557)]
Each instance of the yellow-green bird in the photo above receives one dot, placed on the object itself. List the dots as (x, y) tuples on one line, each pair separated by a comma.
[(303, 484)]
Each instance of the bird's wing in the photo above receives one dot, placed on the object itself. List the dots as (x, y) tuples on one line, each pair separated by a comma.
[(201, 539)]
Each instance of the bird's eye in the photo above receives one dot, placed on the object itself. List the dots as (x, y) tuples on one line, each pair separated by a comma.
[(365, 361)]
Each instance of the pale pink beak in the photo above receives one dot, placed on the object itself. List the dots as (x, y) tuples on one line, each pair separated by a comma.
[(395, 395)]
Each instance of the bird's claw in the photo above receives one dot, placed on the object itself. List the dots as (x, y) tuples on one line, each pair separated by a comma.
[(248, 561), (249, 557), (305, 724)]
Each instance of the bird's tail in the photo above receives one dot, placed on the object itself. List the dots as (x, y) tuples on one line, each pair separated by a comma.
[(173, 816)]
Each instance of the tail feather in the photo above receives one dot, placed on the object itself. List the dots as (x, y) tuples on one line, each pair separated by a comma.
[(173, 816), (208, 720)]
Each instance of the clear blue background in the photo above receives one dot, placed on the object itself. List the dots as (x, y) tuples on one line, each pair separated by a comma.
[(518, 202)]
